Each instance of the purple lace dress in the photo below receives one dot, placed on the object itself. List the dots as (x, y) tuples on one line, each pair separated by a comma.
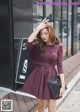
[(44, 68)]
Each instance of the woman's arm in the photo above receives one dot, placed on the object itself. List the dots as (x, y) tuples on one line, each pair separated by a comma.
[(62, 80), (33, 35), (36, 31), (60, 60), (60, 69)]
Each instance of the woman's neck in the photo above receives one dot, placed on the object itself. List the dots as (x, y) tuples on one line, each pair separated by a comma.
[(49, 43)]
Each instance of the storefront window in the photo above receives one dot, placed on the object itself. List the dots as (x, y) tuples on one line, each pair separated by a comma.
[(64, 28), (49, 11), (75, 36), (57, 18), (78, 28), (69, 27), (37, 13)]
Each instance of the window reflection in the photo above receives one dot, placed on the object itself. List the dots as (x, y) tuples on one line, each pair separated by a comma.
[(75, 40), (64, 27), (57, 17), (37, 13), (69, 27), (78, 28), (49, 11)]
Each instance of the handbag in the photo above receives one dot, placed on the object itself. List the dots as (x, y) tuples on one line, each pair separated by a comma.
[(55, 85)]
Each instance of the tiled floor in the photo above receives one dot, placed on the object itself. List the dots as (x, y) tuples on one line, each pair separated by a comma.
[(20, 103)]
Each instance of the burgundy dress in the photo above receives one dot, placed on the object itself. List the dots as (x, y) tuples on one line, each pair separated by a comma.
[(44, 68)]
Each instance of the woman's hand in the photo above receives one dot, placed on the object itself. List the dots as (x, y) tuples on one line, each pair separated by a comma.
[(43, 24), (62, 90)]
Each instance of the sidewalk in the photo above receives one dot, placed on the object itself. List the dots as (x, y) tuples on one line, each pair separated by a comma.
[(72, 102)]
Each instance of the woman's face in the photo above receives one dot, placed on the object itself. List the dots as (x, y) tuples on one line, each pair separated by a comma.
[(44, 34)]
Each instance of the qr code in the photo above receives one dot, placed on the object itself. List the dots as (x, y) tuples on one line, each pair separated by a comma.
[(6, 105)]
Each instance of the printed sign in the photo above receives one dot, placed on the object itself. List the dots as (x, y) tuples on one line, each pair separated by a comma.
[(23, 62)]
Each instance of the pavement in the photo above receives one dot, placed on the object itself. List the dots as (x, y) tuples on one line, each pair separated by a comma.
[(72, 102)]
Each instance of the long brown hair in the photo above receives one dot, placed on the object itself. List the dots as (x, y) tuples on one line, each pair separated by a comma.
[(53, 38)]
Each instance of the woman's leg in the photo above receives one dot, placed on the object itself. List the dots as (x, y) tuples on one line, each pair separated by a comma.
[(51, 105), (41, 105)]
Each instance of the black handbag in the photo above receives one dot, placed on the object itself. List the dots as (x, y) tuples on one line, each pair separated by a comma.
[(55, 85)]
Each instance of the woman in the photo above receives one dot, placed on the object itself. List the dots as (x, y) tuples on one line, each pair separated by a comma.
[(46, 52)]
